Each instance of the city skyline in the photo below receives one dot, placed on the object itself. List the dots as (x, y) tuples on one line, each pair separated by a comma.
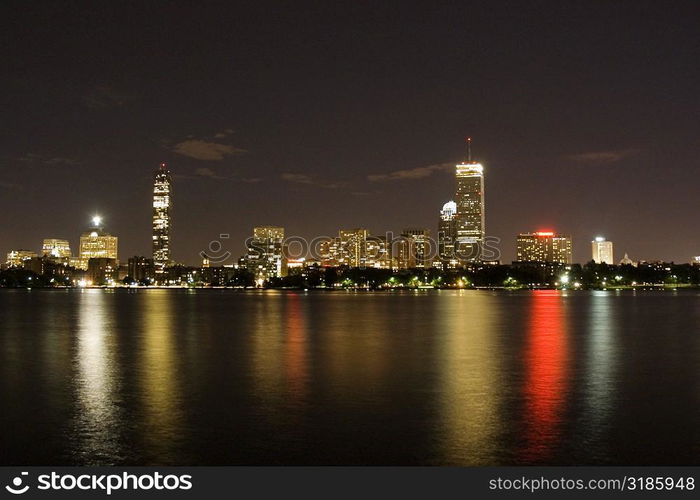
[(469, 187), (319, 122)]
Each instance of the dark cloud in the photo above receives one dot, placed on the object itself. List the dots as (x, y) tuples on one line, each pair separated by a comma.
[(310, 181), (48, 160), (106, 96), (200, 149), (224, 133), (207, 172), (603, 156), (411, 173)]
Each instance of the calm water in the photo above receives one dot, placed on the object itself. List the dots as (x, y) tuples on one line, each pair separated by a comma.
[(440, 377)]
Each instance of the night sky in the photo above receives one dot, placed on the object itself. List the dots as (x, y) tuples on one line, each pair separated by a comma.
[(333, 115)]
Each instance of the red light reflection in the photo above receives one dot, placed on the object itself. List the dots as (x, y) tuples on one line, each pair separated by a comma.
[(547, 362)]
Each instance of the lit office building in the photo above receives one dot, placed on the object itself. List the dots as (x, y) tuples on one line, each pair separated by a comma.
[(470, 216), (162, 217), (696, 260), (56, 248), (265, 257), (353, 246), (96, 244), (16, 258), (329, 252), (378, 253), (447, 234), (602, 251), (414, 248), (544, 246), (356, 248)]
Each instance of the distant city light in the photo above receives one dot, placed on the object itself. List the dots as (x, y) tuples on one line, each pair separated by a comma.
[(96, 220), (599, 239)]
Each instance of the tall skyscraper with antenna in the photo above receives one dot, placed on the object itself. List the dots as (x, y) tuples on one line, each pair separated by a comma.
[(470, 217), (162, 218)]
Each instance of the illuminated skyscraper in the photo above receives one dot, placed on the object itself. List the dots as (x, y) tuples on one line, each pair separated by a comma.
[(602, 251), (447, 234), (162, 213), (97, 244), (353, 246), (378, 252), (414, 248), (544, 246), (265, 257), (470, 216)]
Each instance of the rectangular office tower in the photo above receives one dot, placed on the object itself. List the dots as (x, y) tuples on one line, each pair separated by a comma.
[(414, 248), (470, 216), (265, 257), (544, 246), (602, 251), (162, 217)]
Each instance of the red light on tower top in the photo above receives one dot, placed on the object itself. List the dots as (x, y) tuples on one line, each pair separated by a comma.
[(163, 166), (544, 234)]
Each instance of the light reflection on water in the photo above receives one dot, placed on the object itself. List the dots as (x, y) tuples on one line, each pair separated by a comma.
[(97, 382), (159, 379), (444, 377), (472, 390)]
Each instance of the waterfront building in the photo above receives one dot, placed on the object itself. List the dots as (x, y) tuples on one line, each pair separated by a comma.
[(265, 256), (415, 249), (447, 235), (602, 251), (328, 252), (102, 271), (544, 246), (16, 258), (353, 247), (57, 248), (356, 248), (54, 269), (97, 244), (378, 252), (470, 216), (141, 269), (77, 262), (162, 217)]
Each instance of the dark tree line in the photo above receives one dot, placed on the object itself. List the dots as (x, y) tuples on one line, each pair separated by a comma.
[(590, 275)]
